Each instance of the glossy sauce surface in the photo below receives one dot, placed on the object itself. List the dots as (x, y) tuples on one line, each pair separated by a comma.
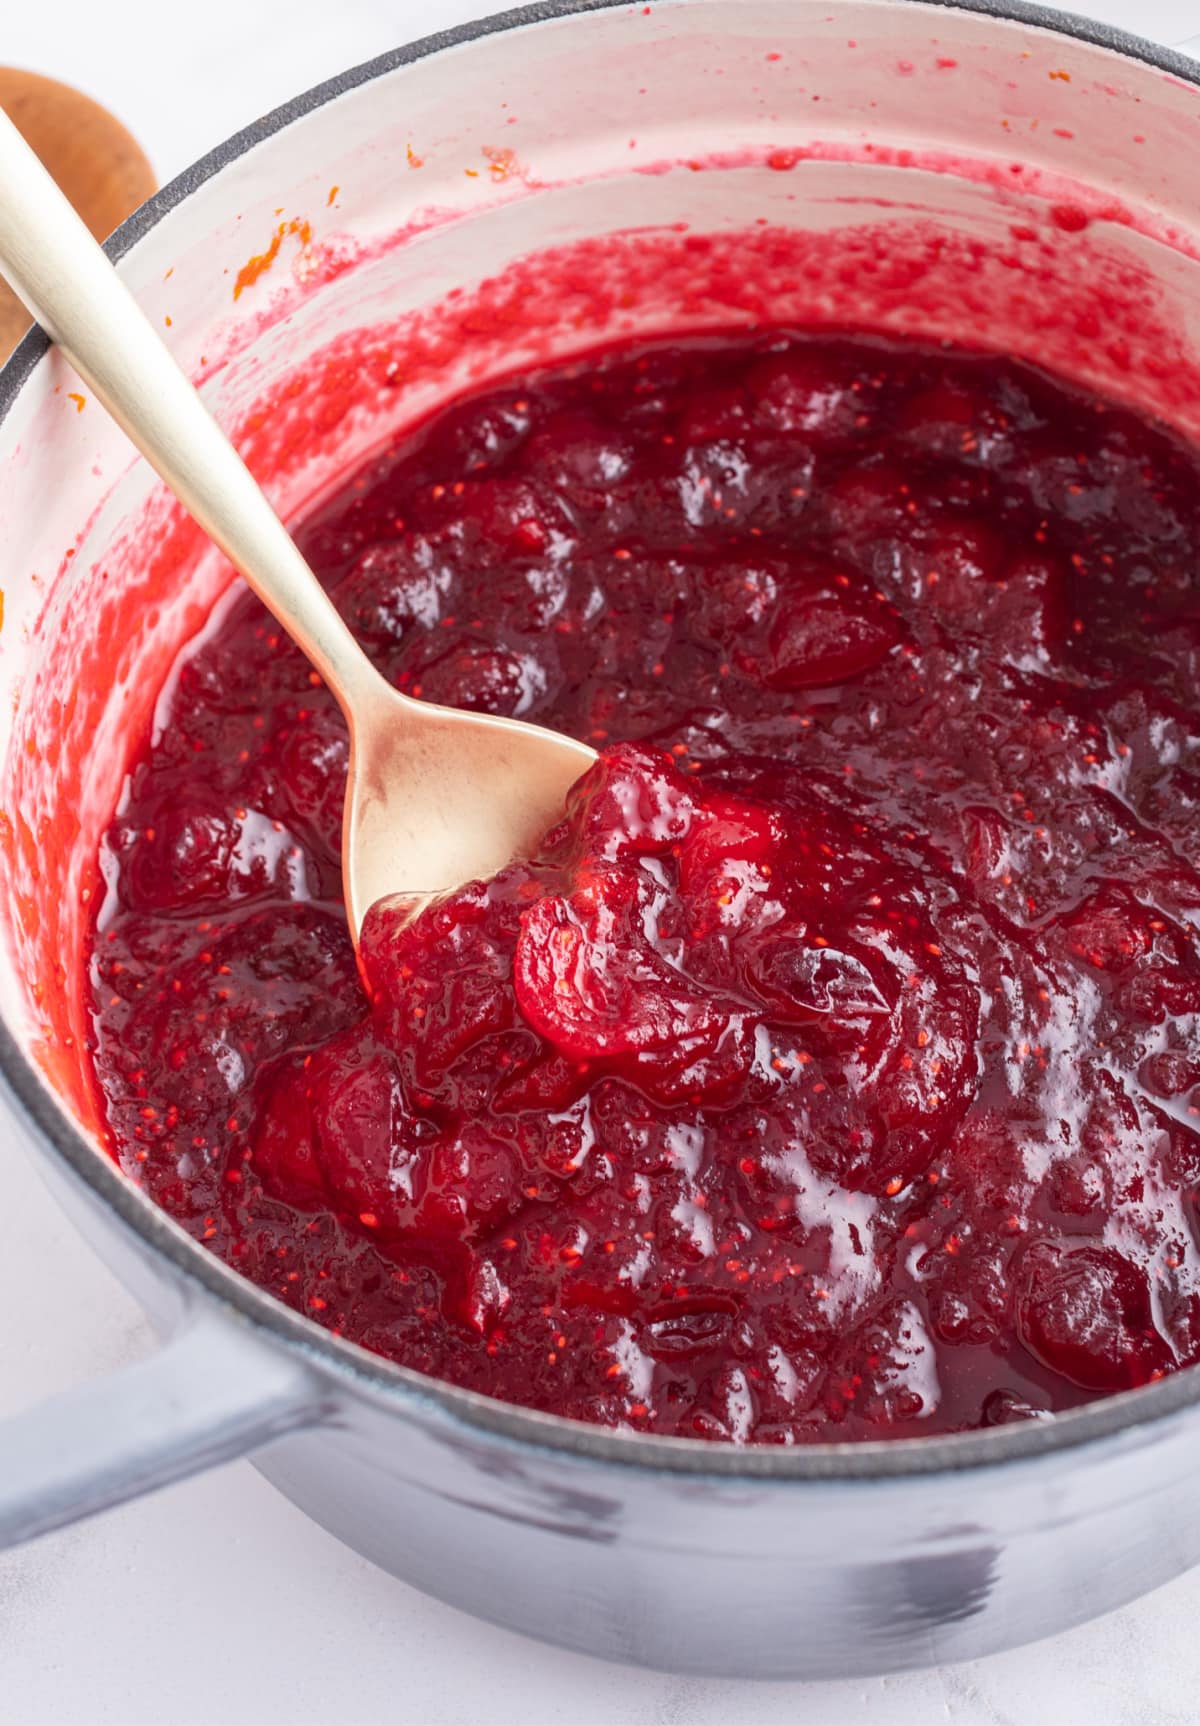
[(832, 1073)]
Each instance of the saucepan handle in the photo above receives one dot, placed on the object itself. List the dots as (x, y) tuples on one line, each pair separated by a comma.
[(213, 1392)]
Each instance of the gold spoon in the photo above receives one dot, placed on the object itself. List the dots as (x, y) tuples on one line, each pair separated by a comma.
[(435, 796)]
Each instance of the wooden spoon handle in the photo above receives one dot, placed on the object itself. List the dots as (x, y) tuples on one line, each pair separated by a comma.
[(95, 161)]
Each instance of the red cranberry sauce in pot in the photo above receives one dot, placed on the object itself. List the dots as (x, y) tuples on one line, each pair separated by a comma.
[(833, 1071)]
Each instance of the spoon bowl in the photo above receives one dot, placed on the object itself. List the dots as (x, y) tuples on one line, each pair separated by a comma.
[(435, 796)]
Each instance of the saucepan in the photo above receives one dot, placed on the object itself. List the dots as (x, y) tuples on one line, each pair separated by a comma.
[(493, 197)]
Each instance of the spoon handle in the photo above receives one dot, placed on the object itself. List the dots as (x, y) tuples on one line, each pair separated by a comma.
[(56, 267)]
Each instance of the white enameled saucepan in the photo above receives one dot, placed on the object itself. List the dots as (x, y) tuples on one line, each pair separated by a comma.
[(994, 174)]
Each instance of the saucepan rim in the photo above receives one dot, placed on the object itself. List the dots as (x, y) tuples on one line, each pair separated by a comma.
[(355, 1370)]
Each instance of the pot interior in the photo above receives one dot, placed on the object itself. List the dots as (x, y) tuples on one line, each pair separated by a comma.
[(508, 200)]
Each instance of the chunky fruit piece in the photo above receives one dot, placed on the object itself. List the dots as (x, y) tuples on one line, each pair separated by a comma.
[(803, 984), (821, 636), (436, 1012), (589, 981), (833, 1071), (1086, 1314), (635, 805)]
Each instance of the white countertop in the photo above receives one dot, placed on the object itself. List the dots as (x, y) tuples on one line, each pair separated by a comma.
[(216, 1603)]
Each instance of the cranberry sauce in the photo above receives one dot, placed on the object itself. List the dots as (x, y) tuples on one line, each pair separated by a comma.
[(834, 1071)]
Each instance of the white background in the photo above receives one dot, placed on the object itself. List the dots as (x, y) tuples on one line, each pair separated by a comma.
[(216, 1603)]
